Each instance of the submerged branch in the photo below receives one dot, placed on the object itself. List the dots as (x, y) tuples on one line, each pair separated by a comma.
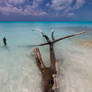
[(41, 44)]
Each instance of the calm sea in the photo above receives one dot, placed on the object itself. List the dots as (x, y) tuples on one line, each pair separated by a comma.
[(18, 70)]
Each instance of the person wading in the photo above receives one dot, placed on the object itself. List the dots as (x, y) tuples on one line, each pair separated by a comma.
[(4, 41)]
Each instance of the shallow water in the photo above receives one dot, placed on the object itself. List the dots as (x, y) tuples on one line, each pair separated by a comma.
[(18, 70)]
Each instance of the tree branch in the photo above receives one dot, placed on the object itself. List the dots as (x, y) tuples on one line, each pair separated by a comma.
[(46, 37), (49, 74), (40, 44), (43, 44), (39, 60), (52, 35), (68, 36)]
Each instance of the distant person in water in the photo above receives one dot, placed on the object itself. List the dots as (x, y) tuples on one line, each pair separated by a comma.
[(4, 41)]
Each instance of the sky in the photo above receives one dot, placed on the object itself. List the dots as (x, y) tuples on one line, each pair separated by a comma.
[(45, 10)]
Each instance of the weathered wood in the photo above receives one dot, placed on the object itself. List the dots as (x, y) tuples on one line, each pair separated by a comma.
[(52, 35), (62, 38), (49, 74), (40, 63), (68, 36)]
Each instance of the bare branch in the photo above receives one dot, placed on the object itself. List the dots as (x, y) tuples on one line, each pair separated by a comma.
[(41, 44), (52, 35), (49, 74), (46, 37), (39, 60), (68, 36), (37, 29)]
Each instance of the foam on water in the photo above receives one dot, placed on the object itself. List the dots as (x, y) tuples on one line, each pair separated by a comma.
[(18, 70)]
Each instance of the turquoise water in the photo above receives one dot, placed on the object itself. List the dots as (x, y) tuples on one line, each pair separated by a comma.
[(18, 70)]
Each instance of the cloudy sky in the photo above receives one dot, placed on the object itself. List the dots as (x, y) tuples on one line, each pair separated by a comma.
[(45, 10)]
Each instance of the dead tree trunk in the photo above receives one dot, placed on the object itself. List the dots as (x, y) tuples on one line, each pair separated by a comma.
[(49, 74)]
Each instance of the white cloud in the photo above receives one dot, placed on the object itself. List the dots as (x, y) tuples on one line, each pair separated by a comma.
[(47, 4), (27, 11), (10, 9), (36, 3), (30, 11), (65, 7), (60, 4), (79, 3), (70, 14), (16, 1)]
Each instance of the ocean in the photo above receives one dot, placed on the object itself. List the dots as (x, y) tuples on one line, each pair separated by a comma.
[(18, 69)]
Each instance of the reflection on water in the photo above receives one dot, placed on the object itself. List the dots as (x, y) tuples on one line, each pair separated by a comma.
[(18, 70)]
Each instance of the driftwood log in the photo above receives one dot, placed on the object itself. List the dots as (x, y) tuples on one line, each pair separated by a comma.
[(49, 74)]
